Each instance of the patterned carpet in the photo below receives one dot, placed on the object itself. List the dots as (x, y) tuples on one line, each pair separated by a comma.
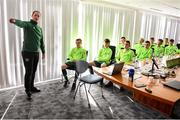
[(56, 102)]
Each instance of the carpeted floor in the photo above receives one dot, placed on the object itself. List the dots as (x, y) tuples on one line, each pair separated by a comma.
[(56, 102)]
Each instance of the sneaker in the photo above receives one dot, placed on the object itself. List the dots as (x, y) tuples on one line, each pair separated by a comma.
[(28, 93), (109, 84), (35, 90)]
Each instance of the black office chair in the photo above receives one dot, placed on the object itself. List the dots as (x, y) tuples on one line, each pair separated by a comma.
[(81, 67), (134, 51), (113, 48)]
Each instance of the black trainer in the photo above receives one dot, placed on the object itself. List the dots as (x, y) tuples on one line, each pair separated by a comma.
[(28, 93), (35, 90), (109, 84)]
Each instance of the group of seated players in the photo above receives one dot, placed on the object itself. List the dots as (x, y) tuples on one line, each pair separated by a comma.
[(124, 53)]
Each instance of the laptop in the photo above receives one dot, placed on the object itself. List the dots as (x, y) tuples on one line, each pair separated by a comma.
[(173, 84), (114, 69)]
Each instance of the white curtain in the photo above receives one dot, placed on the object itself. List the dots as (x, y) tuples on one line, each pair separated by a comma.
[(62, 22), (11, 39)]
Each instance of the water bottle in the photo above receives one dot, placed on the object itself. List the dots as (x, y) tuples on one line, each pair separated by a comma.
[(131, 74), (136, 64)]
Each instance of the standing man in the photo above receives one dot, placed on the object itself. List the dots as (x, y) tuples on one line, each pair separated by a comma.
[(33, 42)]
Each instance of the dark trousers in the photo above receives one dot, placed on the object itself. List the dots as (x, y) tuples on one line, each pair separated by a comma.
[(30, 60), (71, 66)]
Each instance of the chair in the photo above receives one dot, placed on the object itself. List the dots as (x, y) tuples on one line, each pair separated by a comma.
[(81, 67), (72, 69), (134, 51), (113, 48)]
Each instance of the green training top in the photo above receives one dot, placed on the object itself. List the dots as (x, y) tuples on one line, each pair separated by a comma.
[(138, 48), (171, 50), (33, 36), (159, 51), (77, 54), (153, 45), (145, 53), (104, 55), (119, 47), (125, 55)]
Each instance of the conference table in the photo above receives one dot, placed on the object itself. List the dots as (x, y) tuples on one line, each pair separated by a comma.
[(162, 98)]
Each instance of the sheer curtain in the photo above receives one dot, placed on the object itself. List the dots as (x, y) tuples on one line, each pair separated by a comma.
[(62, 22), (11, 40)]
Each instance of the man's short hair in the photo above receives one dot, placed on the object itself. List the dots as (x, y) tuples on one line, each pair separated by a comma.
[(161, 40), (79, 40), (152, 38), (147, 42), (123, 38), (127, 41), (171, 40), (166, 38), (35, 11), (107, 40)]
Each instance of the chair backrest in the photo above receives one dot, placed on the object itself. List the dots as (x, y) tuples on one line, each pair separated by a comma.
[(134, 51), (113, 48), (81, 66)]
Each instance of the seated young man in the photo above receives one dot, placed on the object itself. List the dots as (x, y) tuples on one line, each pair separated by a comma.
[(121, 44), (159, 49), (152, 44), (139, 46), (166, 42), (125, 55), (171, 49), (146, 51), (77, 53), (104, 56)]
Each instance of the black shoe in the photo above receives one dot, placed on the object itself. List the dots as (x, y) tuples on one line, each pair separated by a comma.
[(35, 90), (101, 83), (66, 83), (73, 86), (109, 84), (28, 93), (121, 89)]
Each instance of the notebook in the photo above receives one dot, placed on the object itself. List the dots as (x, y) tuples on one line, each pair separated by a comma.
[(114, 69), (173, 84)]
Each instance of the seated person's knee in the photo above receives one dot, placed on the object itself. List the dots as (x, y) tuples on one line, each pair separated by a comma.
[(64, 66)]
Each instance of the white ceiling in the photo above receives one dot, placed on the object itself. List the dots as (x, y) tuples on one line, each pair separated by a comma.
[(169, 7)]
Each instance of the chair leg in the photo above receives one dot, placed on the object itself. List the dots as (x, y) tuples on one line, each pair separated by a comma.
[(89, 88), (76, 90), (87, 95), (102, 91)]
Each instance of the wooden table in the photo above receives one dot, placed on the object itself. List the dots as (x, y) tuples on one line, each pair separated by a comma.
[(162, 98)]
